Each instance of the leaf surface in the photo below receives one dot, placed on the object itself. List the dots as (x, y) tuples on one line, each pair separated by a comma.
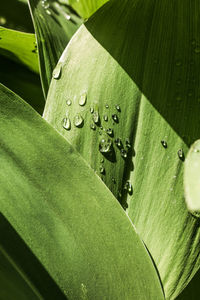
[(86, 8), (54, 26), (65, 214), (143, 56)]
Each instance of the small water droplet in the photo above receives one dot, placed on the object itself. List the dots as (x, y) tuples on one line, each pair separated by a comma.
[(102, 160), (128, 187), (197, 50), (91, 109), (78, 120), (115, 118), (35, 51), (181, 154), (109, 131), (45, 4), (93, 127), (95, 117), (128, 144), (83, 99), (69, 102), (102, 170), (123, 153), (2, 21), (48, 12), (118, 108), (101, 127), (118, 142), (105, 145), (178, 63), (164, 143), (105, 117), (57, 71), (66, 123), (106, 106)]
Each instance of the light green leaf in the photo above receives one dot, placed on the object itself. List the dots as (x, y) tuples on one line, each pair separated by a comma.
[(65, 214), (192, 179), (86, 8), (144, 56), (20, 47), (54, 26)]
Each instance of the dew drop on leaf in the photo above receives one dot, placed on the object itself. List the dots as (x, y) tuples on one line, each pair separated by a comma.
[(78, 120), (69, 102), (118, 108), (95, 117), (93, 127), (181, 154), (115, 118), (105, 145), (57, 71), (164, 143), (105, 117), (123, 153), (66, 123), (91, 110), (118, 142), (109, 131), (102, 170), (128, 144), (107, 106), (83, 99), (128, 187)]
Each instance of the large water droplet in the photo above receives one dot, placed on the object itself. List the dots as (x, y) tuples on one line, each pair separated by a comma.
[(78, 120), (181, 154), (68, 102), (123, 153), (66, 123), (105, 145), (95, 117), (83, 99), (115, 118), (164, 143), (57, 71)]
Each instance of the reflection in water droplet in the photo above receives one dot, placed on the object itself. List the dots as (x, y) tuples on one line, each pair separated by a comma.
[(105, 145), (93, 127), (164, 143), (109, 131), (66, 123), (123, 153), (78, 120), (57, 71), (83, 99), (118, 108), (105, 117), (102, 170), (95, 117), (181, 154), (69, 102), (115, 118)]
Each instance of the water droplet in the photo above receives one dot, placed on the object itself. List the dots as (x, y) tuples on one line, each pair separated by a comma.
[(105, 117), (105, 145), (128, 144), (95, 117), (109, 131), (197, 50), (164, 143), (106, 106), (57, 71), (78, 120), (123, 153), (2, 21), (35, 51), (181, 154), (102, 170), (66, 123), (101, 127), (93, 127), (128, 187), (69, 102), (178, 63), (91, 109), (83, 99), (45, 4), (102, 160), (115, 118), (48, 12), (118, 108)]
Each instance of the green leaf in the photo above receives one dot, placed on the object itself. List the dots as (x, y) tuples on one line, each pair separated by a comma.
[(23, 82), (65, 214), (15, 15), (20, 47), (54, 26), (145, 57), (85, 8), (192, 179)]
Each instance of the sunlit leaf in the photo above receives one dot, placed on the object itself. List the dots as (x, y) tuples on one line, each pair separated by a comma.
[(143, 56), (86, 8), (65, 214), (54, 25)]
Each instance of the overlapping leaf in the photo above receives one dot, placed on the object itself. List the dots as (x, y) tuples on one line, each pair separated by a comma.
[(65, 214), (54, 25), (86, 8), (143, 56)]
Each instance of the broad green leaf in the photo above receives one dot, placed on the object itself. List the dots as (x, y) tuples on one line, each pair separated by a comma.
[(15, 15), (192, 290), (86, 8), (54, 25), (144, 56), (23, 82), (19, 46), (192, 179), (65, 214)]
